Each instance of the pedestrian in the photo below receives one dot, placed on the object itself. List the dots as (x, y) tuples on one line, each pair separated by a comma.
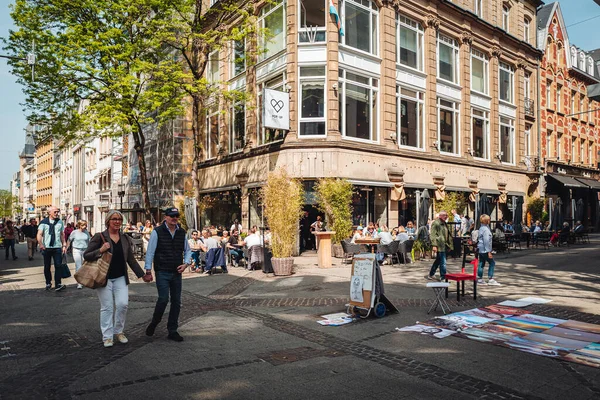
[(236, 226), (146, 231), (484, 248), (68, 230), (30, 232), (170, 253), (195, 248), (10, 234), (79, 239), (114, 295), (441, 241), (51, 238)]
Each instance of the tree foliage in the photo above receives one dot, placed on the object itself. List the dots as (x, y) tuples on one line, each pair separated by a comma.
[(335, 200), (535, 208), (7, 203), (453, 201), (283, 198)]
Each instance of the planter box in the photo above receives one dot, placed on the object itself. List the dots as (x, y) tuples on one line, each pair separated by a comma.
[(282, 266)]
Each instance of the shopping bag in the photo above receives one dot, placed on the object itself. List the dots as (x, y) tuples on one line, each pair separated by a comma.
[(63, 269), (92, 274)]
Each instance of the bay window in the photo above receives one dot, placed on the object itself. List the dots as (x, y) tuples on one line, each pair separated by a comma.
[(479, 72), (448, 59), (480, 128), (409, 43), (312, 101), (358, 106), (409, 117), (361, 25), (507, 140), (448, 112)]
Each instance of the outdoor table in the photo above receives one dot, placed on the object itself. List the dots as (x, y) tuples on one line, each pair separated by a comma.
[(527, 236), (371, 242), (324, 248)]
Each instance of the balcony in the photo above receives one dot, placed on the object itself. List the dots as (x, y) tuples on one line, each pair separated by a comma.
[(529, 107)]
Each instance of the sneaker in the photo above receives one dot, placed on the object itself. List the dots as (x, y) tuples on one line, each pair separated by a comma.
[(60, 287), (492, 282), (481, 282), (175, 337), (79, 286), (48, 286), (122, 338), (108, 343), (430, 278), (150, 329)]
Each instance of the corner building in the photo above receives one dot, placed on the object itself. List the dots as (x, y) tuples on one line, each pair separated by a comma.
[(414, 95)]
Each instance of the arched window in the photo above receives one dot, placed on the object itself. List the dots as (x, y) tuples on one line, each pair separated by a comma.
[(582, 60), (573, 56), (526, 29), (590, 66)]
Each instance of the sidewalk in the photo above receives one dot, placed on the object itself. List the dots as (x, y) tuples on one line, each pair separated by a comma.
[(254, 336)]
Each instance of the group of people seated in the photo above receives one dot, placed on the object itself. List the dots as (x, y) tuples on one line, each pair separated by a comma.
[(231, 243), (374, 230)]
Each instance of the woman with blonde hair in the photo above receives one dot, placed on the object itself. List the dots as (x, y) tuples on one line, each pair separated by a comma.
[(146, 232), (79, 239), (484, 248), (114, 296)]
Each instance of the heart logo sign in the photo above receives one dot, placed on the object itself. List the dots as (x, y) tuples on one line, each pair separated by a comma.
[(277, 105)]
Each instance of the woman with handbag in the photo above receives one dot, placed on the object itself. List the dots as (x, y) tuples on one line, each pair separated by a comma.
[(114, 295), (79, 239)]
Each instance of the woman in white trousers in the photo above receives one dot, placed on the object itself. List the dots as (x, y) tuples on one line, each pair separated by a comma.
[(114, 296), (79, 239)]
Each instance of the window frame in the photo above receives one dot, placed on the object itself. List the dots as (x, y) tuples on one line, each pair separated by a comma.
[(232, 68), (486, 126), (232, 127), (275, 84), (479, 55), (420, 100), (373, 16), (506, 17), (373, 100), (317, 79), (265, 12), (455, 109), (455, 51), (320, 30), (212, 112), (407, 23), (511, 126), (502, 66)]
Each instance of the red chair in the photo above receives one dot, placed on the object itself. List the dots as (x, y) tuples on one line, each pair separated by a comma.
[(462, 277)]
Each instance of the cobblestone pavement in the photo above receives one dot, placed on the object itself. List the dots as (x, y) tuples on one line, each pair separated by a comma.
[(249, 335)]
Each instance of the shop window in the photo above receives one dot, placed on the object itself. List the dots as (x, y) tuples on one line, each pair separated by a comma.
[(409, 113), (448, 126), (361, 20), (358, 106), (409, 43), (312, 100)]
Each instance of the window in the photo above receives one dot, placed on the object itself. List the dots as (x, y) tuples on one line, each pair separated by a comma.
[(237, 128), (213, 67), (409, 117), (527, 85), (312, 21), (581, 151), (507, 140), (272, 22), (527, 140), (548, 144), (409, 43), (238, 62), (479, 8), (573, 94), (548, 93), (448, 59), (506, 83), (479, 72), (268, 135), (448, 126), (212, 133), (312, 99), (505, 17), (361, 20), (559, 146), (558, 94), (480, 126), (591, 153), (582, 105), (358, 106), (526, 29)]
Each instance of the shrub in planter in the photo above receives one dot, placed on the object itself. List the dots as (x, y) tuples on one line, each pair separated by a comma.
[(283, 199), (334, 198)]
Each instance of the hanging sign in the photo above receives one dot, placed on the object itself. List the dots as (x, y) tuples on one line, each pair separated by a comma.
[(276, 109)]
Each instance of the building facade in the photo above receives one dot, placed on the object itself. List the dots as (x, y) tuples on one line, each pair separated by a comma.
[(44, 170), (569, 122), (414, 95)]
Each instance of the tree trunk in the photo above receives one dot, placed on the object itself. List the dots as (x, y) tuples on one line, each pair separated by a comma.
[(197, 153), (138, 144)]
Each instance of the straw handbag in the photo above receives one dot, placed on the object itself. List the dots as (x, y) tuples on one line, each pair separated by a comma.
[(92, 274)]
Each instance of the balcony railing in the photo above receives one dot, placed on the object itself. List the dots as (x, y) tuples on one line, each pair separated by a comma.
[(529, 107)]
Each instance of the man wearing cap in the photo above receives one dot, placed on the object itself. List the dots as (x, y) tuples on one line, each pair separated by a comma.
[(170, 252)]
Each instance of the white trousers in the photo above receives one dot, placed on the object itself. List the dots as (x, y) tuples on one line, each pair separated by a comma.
[(78, 257), (114, 299)]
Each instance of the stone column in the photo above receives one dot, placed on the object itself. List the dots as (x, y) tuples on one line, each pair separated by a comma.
[(465, 109), (331, 83), (495, 54), (387, 111), (431, 24)]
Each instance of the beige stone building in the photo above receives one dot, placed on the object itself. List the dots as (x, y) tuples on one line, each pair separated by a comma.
[(414, 95)]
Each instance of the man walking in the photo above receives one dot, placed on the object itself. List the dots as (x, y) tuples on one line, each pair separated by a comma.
[(30, 233), (170, 252), (441, 241), (51, 238)]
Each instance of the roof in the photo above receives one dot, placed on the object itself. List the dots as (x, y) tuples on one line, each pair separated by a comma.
[(544, 14)]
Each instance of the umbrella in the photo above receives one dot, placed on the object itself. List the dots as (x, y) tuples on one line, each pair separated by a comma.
[(579, 211), (189, 212), (557, 216), (518, 215), (424, 208), (484, 206)]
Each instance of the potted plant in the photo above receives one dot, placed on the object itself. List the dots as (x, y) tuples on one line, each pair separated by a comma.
[(420, 249), (334, 199), (283, 198)]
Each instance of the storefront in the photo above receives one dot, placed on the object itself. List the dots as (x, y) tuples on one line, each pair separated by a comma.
[(370, 202), (220, 208)]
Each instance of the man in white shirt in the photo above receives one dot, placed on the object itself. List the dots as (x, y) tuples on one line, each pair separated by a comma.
[(208, 242), (253, 239), (236, 226)]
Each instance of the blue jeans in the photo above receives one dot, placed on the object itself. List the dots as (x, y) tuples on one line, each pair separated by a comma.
[(236, 254), (49, 255), (440, 261), (196, 259), (168, 283), (10, 243), (483, 257)]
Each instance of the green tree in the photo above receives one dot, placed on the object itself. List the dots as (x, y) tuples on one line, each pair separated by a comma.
[(452, 201), (105, 54), (535, 208), (7, 203), (335, 200)]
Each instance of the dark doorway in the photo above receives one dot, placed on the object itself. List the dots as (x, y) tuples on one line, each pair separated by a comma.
[(307, 239)]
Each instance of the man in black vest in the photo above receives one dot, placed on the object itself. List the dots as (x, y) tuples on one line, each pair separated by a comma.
[(170, 252)]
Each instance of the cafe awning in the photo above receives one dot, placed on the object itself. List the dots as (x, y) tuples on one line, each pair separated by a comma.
[(591, 183), (358, 182), (409, 185), (567, 181), (457, 189), (489, 191)]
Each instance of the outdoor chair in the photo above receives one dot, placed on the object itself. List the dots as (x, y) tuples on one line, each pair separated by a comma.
[(463, 276), (500, 245), (404, 251), (582, 237), (541, 238), (389, 250), (350, 249), (256, 258), (515, 240)]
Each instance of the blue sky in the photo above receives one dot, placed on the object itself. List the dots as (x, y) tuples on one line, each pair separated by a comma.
[(12, 120)]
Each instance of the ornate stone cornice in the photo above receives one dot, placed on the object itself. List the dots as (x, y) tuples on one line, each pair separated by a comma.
[(432, 21), (466, 38), (495, 52), (521, 63)]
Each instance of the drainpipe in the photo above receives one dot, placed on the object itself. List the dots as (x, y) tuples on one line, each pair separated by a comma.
[(539, 126)]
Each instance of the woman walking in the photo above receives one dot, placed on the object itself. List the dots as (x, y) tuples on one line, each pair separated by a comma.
[(146, 232), (9, 238), (114, 297), (484, 248), (79, 239)]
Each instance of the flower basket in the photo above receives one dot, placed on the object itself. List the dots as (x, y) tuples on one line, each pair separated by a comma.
[(282, 266)]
